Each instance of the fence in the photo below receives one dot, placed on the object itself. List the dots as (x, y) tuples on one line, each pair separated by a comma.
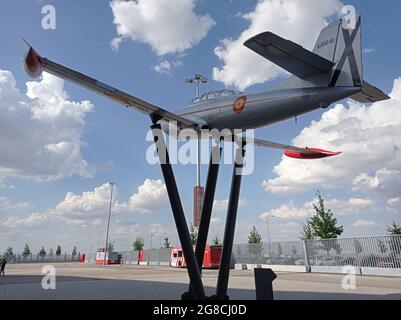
[(36, 258), (151, 257), (282, 253), (381, 254)]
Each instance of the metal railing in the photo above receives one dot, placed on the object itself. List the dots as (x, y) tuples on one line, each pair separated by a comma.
[(152, 257), (369, 252), (283, 253), (36, 258)]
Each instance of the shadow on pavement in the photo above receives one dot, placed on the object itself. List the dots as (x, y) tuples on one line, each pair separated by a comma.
[(84, 288)]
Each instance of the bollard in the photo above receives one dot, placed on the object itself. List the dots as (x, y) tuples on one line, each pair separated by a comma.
[(264, 283)]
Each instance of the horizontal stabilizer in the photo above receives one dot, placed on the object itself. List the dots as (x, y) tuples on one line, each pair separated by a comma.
[(289, 55), (369, 94)]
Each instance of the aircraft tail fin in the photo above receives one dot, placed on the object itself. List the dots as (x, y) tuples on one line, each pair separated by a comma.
[(341, 44)]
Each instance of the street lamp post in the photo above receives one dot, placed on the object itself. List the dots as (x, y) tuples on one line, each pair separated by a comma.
[(108, 222)]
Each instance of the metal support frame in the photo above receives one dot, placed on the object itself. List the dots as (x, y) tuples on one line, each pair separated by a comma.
[(178, 213), (194, 261), (207, 207), (224, 272)]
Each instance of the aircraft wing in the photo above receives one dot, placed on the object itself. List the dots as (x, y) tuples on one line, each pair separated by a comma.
[(369, 94), (293, 152), (289, 55), (35, 64)]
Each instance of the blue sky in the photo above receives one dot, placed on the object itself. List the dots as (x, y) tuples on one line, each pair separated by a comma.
[(111, 138)]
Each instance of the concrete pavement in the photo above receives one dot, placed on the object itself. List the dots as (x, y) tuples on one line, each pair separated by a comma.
[(88, 281)]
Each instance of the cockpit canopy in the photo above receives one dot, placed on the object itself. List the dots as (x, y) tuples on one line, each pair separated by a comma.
[(215, 94)]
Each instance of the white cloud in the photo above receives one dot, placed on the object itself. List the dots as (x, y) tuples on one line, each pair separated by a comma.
[(384, 181), (338, 207), (215, 221), (168, 26), (368, 50), (115, 43), (299, 21), (394, 205), (150, 197), (33, 219), (41, 132), (6, 205), (223, 204), (164, 67), (365, 223), (91, 207), (369, 139)]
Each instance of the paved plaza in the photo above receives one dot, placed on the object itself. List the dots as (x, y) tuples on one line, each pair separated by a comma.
[(88, 281)]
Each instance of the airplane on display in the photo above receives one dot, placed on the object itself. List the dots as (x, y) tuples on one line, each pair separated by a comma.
[(331, 72)]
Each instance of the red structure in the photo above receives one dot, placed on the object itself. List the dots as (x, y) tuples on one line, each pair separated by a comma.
[(111, 257), (199, 194), (211, 259)]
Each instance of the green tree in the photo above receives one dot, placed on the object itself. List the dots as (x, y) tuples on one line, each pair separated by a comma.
[(166, 243), (138, 244), (193, 234), (279, 249), (74, 251), (58, 251), (394, 229), (382, 246), (294, 251), (323, 222), (395, 242), (9, 253), (110, 246), (255, 244), (26, 253), (307, 232), (238, 252), (42, 252), (358, 247), (216, 241)]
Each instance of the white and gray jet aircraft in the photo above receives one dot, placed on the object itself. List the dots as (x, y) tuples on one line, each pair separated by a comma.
[(329, 73)]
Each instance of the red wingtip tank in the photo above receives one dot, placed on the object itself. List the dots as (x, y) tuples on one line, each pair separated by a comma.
[(32, 63), (309, 156)]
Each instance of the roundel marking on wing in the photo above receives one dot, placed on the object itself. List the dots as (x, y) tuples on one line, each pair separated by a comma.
[(239, 104)]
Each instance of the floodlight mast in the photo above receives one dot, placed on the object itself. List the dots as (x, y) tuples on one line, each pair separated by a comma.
[(199, 191), (197, 80)]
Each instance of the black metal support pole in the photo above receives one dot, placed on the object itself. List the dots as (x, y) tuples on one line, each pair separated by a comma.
[(178, 213), (210, 190), (206, 214), (224, 272)]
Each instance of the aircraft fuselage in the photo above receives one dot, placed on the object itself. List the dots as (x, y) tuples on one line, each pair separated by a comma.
[(251, 111)]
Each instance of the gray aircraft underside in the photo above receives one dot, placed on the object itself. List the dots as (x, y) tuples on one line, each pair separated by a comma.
[(331, 72), (262, 109)]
